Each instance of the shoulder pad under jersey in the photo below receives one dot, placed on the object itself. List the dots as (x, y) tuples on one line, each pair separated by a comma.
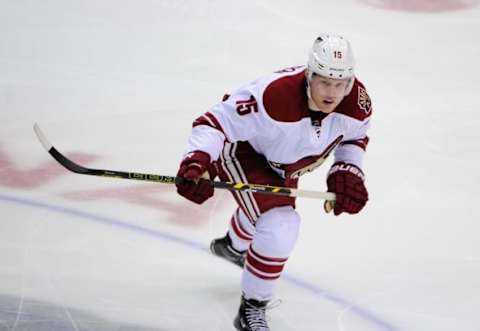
[(357, 104), (285, 98)]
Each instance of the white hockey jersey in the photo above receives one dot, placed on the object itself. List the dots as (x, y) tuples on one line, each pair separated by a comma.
[(272, 115)]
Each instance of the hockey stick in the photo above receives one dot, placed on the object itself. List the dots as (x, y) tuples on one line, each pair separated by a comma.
[(256, 188)]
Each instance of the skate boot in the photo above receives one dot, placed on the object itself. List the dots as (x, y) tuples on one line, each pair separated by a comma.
[(222, 247), (251, 316)]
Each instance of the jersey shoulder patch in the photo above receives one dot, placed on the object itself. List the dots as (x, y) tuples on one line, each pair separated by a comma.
[(285, 98), (357, 104)]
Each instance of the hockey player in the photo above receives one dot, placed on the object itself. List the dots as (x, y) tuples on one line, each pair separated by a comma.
[(272, 131)]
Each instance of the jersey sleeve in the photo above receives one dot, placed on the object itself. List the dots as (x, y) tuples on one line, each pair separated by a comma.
[(352, 149), (357, 111), (237, 118)]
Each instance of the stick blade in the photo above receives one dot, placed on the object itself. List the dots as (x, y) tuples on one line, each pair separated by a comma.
[(41, 137)]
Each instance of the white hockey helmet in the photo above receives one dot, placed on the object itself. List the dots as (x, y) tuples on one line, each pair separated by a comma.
[(331, 56)]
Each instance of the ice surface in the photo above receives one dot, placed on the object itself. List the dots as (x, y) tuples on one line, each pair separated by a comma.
[(116, 84)]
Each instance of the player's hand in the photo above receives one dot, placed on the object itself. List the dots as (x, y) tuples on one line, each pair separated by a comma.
[(347, 182), (193, 173)]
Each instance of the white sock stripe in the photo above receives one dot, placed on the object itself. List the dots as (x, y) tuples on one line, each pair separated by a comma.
[(261, 273), (240, 227), (238, 232), (267, 262), (245, 222), (267, 258)]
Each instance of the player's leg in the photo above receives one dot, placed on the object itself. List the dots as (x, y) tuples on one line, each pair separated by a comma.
[(241, 230), (234, 244), (272, 222), (239, 162), (275, 237)]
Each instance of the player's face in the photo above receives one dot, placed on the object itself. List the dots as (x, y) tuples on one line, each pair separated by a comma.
[(327, 93)]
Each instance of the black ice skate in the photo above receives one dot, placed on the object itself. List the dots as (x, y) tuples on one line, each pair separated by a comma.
[(251, 316), (222, 247)]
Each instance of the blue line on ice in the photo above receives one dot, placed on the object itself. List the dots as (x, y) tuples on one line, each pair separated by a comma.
[(311, 288)]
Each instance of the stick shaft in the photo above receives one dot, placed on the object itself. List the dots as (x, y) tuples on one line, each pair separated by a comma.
[(256, 188)]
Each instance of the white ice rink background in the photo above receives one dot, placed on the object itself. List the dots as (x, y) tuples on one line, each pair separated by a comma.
[(116, 85)]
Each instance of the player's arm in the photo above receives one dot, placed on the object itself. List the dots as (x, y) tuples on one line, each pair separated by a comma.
[(353, 148), (236, 118), (346, 177)]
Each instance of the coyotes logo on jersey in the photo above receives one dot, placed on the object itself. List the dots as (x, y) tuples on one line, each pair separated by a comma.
[(306, 164), (364, 101)]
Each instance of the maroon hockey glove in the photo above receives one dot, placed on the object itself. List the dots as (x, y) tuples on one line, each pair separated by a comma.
[(191, 185), (346, 181)]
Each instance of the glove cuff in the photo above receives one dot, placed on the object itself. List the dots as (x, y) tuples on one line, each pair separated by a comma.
[(348, 167), (200, 157)]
